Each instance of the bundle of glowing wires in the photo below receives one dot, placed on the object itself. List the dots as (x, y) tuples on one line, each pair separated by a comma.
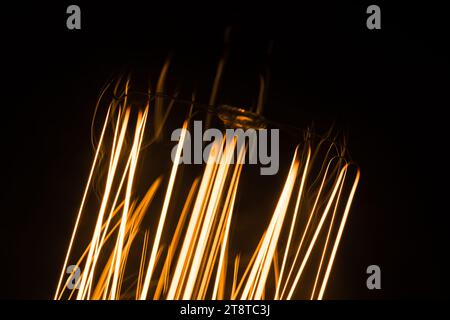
[(175, 239)]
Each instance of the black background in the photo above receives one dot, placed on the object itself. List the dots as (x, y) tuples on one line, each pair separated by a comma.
[(388, 89)]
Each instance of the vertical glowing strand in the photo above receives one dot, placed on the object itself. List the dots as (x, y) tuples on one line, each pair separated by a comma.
[(327, 240), (281, 212), (80, 260), (222, 216), (155, 246), (150, 193), (182, 263), (108, 187), (310, 216), (232, 192), (175, 240), (86, 275), (280, 208), (75, 229), (206, 227), (135, 155), (293, 224), (339, 235), (316, 234)]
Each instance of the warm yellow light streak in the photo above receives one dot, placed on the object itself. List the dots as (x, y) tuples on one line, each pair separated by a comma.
[(115, 157), (228, 209), (176, 239), (135, 154), (186, 249), (316, 234), (209, 216), (339, 235), (327, 240), (311, 214), (293, 224), (86, 190), (151, 264), (260, 270), (142, 264)]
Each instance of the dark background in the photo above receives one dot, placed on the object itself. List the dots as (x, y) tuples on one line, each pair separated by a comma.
[(388, 89)]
